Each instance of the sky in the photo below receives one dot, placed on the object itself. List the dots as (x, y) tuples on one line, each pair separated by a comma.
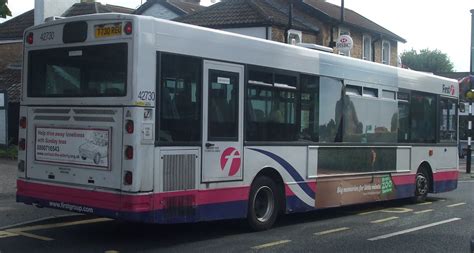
[(432, 24)]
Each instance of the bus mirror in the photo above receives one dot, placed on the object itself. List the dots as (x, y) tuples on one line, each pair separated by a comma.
[(462, 107)]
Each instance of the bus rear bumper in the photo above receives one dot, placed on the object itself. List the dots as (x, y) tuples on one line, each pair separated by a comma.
[(178, 207)]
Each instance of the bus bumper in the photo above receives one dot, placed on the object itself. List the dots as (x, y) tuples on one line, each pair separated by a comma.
[(177, 207)]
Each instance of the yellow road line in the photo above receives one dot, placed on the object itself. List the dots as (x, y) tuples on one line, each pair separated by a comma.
[(425, 203), (57, 225), (35, 236), (5, 234), (369, 212), (331, 231), (458, 204), (267, 245), (112, 251), (384, 220), (424, 211), (397, 210), (389, 210)]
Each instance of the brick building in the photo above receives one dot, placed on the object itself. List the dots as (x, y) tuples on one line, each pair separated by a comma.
[(313, 21)]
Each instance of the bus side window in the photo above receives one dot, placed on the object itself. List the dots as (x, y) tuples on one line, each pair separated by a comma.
[(329, 121), (180, 90)]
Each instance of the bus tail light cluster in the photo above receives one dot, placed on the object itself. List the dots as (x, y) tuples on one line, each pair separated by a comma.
[(23, 122), (29, 38), (21, 166), (129, 126), (22, 144), (129, 152), (128, 178), (128, 29)]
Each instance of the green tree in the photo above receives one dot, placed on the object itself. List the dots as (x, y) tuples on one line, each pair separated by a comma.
[(4, 11), (427, 60)]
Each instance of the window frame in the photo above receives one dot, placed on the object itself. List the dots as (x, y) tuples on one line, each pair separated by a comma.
[(365, 38), (386, 61), (158, 109)]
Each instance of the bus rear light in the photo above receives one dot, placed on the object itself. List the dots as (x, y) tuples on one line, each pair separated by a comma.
[(129, 126), (29, 38), (22, 144), (128, 29), (23, 122), (129, 152), (21, 166), (128, 178)]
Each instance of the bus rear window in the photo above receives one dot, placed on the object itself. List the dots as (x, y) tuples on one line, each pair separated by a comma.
[(91, 71)]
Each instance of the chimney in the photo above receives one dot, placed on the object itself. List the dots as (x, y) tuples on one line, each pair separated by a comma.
[(50, 8)]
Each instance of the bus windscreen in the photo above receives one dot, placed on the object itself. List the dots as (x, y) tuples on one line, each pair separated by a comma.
[(89, 71)]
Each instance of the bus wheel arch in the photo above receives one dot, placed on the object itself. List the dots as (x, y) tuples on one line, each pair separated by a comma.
[(266, 199), (423, 182)]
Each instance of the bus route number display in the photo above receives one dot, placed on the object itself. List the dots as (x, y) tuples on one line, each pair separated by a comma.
[(108, 30)]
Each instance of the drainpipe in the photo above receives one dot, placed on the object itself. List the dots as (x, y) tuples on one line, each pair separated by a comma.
[(290, 21)]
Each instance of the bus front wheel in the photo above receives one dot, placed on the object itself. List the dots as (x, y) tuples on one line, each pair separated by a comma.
[(263, 204)]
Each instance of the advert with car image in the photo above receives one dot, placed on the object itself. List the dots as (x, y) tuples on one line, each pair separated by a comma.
[(88, 147)]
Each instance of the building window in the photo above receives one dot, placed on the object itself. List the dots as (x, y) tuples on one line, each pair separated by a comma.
[(386, 52), (367, 48), (294, 37)]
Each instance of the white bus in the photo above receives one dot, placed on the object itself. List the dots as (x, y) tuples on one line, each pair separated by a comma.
[(149, 120)]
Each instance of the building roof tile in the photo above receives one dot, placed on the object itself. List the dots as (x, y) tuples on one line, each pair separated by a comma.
[(93, 8), (351, 17), (179, 7), (238, 13), (13, 29)]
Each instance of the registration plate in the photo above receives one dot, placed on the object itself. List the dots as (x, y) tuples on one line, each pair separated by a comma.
[(108, 30)]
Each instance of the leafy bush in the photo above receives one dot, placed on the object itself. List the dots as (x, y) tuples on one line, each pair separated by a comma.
[(10, 152)]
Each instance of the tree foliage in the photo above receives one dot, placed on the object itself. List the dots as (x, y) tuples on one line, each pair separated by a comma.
[(4, 11), (427, 60)]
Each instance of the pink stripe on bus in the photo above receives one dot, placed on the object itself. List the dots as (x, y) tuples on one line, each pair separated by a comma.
[(446, 175)]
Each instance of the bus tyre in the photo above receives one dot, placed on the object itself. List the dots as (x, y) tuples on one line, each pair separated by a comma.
[(422, 186), (263, 204)]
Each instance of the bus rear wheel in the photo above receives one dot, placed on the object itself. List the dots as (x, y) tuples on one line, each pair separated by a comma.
[(422, 186), (263, 204)]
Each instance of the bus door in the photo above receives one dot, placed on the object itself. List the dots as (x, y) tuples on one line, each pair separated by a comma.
[(222, 148)]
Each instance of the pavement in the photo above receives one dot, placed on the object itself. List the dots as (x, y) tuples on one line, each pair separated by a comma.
[(463, 176), (7, 177)]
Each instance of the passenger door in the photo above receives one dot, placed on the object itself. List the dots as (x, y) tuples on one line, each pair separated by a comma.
[(222, 148)]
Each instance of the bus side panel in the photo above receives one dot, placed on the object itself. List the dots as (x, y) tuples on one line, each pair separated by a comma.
[(444, 181), (291, 165)]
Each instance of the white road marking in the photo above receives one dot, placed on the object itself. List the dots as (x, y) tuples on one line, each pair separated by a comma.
[(332, 231), (271, 244), (458, 204), (412, 229)]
